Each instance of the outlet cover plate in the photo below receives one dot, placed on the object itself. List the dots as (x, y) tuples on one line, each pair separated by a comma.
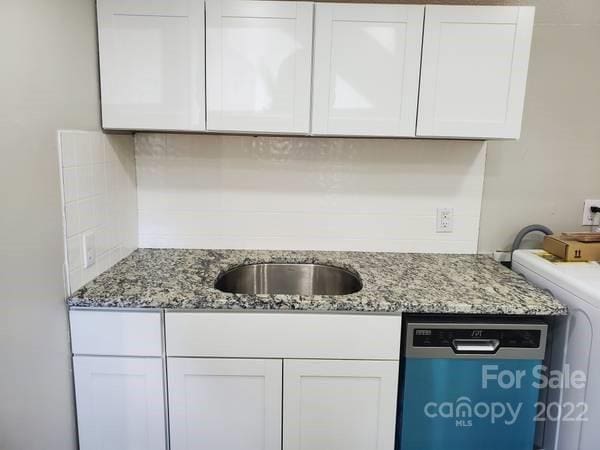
[(89, 249), (444, 220), (588, 217)]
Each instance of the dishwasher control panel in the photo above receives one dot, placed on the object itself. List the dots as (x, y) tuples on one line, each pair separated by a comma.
[(443, 337), (472, 339)]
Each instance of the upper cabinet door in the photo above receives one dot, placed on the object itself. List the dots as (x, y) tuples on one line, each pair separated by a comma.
[(152, 64), (258, 58), (366, 69), (474, 71)]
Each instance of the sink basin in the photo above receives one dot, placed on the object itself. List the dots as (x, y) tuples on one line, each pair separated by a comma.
[(294, 279)]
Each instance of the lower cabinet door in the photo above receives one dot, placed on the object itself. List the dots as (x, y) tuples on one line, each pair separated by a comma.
[(225, 404), (345, 405), (120, 403)]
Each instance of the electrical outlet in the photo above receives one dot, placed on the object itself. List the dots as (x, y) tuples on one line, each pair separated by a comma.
[(89, 250), (502, 256), (445, 220), (588, 216)]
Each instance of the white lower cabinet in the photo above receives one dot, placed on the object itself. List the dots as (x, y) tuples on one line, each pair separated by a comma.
[(120, 403), (349, 405), (236, 404), (257, 382), (225, 404)]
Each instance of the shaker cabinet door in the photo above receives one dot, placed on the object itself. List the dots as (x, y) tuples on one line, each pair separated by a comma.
[(152, 64), (474, 71), (120, 403), (225, 404), (258, 61), (366, 69), (331, 404)]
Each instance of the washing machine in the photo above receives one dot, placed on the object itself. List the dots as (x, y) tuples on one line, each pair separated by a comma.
[(572, 414)]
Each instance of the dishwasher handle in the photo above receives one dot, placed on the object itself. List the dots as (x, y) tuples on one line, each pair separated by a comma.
[(475, 346)]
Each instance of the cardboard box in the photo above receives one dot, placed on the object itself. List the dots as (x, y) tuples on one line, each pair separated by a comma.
[(571, 250)]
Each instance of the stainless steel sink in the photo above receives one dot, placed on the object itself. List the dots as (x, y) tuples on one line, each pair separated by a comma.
[(298, 279)]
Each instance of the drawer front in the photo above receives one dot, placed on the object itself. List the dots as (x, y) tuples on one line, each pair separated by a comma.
[(118, 333), (283, 335)]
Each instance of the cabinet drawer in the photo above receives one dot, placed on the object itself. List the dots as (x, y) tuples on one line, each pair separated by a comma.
[(116, 333), (283, 335)]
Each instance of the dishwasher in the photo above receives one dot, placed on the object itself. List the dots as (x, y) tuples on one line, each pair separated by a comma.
[(470, 385)]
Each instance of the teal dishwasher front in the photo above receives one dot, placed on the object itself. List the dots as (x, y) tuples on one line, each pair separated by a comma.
[(471, 386)]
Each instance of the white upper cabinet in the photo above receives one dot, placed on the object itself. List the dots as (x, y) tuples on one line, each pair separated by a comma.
[(474, 71), (258, 65), (247, 66), (366, 69), (152, 64)]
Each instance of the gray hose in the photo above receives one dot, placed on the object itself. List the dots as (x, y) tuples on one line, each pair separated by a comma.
[(525, 231)]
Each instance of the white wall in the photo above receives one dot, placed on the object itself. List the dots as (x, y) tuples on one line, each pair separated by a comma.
[(48, 81), (202, 191), (99, 199)]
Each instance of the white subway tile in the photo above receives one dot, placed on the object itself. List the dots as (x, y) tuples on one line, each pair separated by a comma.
[(124, 251), (72, 219), (99, 178), (85, 181), (74, 252), (83, 142), (103, 262), (114, 256), (97, 147), (89, 273), (87, 214), (284, 192), (109, 152), (68, 148), (70, 177), (75, 281), (100, 195)]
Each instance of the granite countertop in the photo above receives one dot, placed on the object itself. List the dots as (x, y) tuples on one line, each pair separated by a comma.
[(392, 283)]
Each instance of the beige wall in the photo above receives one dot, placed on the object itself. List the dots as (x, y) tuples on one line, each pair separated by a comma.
[(545, 176), (48, 81)]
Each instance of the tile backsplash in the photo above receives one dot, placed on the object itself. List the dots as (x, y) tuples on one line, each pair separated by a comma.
[(99, 199), (210, 191)]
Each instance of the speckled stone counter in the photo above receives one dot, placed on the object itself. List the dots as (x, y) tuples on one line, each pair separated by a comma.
[(392, 283)]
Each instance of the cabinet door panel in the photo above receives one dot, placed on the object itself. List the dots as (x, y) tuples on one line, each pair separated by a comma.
[(348, 405), (474, 71), (120, 403), (152, 64), (258, 65), (224, 404), (366, 69)]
